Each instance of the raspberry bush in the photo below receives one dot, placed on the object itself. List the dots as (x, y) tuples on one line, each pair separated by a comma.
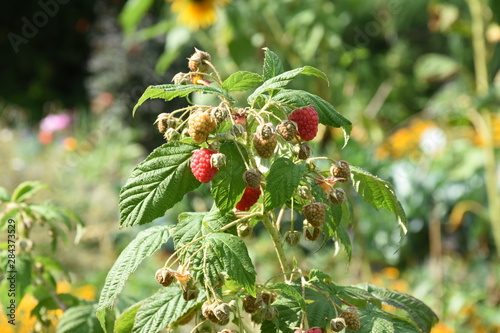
[(259, 165)]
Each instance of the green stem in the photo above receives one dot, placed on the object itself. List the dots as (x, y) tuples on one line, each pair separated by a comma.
[(482, 88), (278, 245)]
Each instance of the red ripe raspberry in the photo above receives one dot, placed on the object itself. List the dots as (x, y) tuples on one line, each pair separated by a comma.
[(201, 167), (249, 198), (307, 120)]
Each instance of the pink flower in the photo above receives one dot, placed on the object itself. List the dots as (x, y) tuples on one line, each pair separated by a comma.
[(55, 122)]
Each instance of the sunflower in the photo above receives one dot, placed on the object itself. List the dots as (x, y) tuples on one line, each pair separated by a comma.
[(196, 13)]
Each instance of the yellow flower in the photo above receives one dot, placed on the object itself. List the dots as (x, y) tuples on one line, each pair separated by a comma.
[(196, 13), (442, 328)]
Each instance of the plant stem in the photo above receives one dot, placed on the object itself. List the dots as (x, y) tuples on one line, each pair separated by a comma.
[(278, 245), (52, 293), (482, 88)]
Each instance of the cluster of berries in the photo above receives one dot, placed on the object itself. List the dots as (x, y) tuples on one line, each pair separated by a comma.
[(260, 306), (348, 319)]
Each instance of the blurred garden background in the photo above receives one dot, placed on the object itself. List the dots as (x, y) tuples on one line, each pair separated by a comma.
[(420, 81)]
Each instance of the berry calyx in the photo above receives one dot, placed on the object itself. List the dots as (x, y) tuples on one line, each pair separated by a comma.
[(201, 165), (314, 213), (302, 150), (265, 131), (337, 324), (307, 120), (292, 238), (164, 276), (200, 124), (265, 148), (351, 318), (249, 198)]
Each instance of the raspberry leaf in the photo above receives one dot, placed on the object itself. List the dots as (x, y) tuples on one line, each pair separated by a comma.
[(420, 313), (79, 319), (327, 114), (375, 320), (282, 180), (162, 309), (157, 184), (241, 80), (171, 91), (194, 225), (144, 245), (272, 64), (228, 184), (379, 194), (283, 79), (26, 190), (227, 253), (125, 322)]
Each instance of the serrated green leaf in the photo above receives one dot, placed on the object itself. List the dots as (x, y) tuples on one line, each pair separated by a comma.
[(379, 194), (171, 91), (162, 309), (375, 320), (4, 194), (132, 13), (327, 114), (283, 79), (157, 184), (192, 226), (290, 291), (272, 65), (26, 190), (356, 296), (282, 180), (227, 253), (241, 80), (22, 275), (421, 314), (334, 228), (228, 185), (144, 245), (125, 322), (52, 264), (79, 319)]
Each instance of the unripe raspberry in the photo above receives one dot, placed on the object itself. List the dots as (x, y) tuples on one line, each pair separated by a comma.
[(315, 213), (251, 304), (337, 324), (200, 125), (265, 148), (164, 276), (244, 229), (336, 196), (265, 131), (270, 312), (198, 61), (341, 171), (171, 135), (287, 129), (181, 78), (252, 178), (268, 297), (249, 198), (311, 233), (351, 318), (218, 160), (307, 120), (292, 238), (302, 150)]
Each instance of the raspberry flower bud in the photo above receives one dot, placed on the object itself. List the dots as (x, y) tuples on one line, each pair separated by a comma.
[(164, 276), (302, 150), (341, 171), (244, 229), (292, 238), (198, 61), (337, 324), (336, 196), (171, 135), (181, 79)]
